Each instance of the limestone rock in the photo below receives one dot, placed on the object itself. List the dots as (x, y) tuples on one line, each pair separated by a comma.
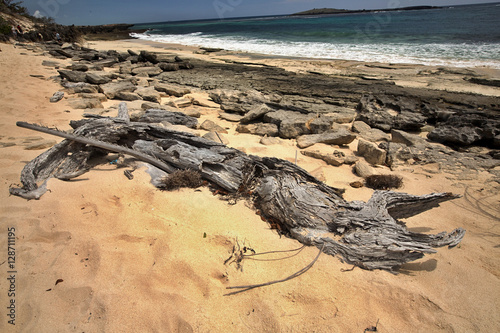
[(330, 159), (320, 125), (171, 89), (58, 95), (269, 141), (94, 78), (210, 126), (149, 70), (73, 76), (149, 94), (146, 56), (363, 169), (255, 113), (80, 87), (113, 88), (168, 67), (294, 126), (259, 129), (216, 137), (341, 136), (182, 102), (127, 96), (233, 117), (371, 152)]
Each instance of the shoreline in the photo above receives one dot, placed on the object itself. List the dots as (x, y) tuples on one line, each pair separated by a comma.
[(119, 253), (405, 74)]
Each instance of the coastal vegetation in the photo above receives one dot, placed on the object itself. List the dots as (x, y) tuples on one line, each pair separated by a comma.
[(36, 29), (334, 11)]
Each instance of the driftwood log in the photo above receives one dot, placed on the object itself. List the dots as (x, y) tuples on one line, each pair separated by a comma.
[(365, 234)]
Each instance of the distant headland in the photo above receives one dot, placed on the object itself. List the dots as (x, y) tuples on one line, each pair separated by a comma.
[(334, 11)]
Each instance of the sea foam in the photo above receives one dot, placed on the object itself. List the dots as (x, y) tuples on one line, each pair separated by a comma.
[(435, 54)]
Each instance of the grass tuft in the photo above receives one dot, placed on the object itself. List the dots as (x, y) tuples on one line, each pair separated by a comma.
[(181, 178), (384, 182)]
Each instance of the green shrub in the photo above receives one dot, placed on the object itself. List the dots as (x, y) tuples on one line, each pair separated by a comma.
[(5, 28)]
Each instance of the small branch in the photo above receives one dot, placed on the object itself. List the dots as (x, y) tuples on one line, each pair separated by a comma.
[(294, 275), (250, 256)]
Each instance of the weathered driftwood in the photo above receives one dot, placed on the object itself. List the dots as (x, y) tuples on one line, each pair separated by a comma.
[(368, 235)]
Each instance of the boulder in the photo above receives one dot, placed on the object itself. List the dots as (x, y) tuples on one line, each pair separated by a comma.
[(363, 169), (149, 94), (58, 95), (182, 102), (149, 71), (210, 126), (94, 78), (320, 125), (339, 137), (371, 152), (80, 87), (233, 117), (127, 96), (73, 76), (295, 125), (168, 67), (375, 135), (192, 112), (146, 56), (202, 99), (109, 62), (396, 153), (113, 88), (172, 89), (150, 105), (259, 129), (255, 113), (126, 68), (80, 67), (360, 127)]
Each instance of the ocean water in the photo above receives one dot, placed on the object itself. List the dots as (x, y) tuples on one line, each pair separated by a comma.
[(463, 36)]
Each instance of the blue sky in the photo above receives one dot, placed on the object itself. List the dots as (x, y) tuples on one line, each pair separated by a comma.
[(91, 12)]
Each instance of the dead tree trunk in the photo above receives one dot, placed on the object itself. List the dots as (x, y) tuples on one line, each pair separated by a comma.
[(367, 235)]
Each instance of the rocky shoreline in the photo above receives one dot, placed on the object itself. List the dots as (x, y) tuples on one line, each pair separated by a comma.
[(396, 126)]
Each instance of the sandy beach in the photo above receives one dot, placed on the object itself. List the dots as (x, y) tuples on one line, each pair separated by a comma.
[(103, 253)]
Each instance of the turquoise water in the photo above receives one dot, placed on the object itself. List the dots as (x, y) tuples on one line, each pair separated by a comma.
[(466, 36)]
